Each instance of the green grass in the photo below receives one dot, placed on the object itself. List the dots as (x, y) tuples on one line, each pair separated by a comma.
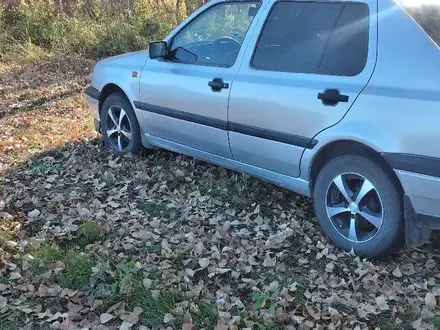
[(152, 248), (45, 257), (225, 189), (40, 169), (388, 322), (154, 309), (154, 208), (89, 233), (12, 320), (90, 230), (99, 32), (77, 265), (435, 321), (135, 295), (207, 315), (77, 271)]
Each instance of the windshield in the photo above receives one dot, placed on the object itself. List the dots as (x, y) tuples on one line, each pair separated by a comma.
[(427, 14)]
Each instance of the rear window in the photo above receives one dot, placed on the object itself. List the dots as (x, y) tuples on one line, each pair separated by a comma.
[(427, 14)]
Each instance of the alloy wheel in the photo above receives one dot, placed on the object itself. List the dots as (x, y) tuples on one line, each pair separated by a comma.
[(118, 128), (354, 207)]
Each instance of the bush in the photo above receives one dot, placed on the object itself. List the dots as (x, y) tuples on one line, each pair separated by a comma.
[(90, 28)]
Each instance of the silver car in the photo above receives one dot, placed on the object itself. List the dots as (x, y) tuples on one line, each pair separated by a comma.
[(335, 100)]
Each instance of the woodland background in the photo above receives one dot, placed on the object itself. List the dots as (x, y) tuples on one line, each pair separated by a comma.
[(91, 28)]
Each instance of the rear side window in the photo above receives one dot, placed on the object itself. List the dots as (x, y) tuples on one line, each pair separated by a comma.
[(427, 15), (314, 37)]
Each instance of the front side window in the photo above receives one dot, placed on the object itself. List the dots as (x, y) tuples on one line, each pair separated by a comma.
[(215, 36), (314, 37)]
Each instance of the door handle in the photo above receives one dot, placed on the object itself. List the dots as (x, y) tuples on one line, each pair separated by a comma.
[(332, 97), (217, 84)]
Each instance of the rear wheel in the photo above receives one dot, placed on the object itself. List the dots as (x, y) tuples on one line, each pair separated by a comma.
[(359, 206), (119, 125)]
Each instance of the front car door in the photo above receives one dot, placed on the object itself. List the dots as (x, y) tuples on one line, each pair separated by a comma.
[(310, 62), (184, 97)]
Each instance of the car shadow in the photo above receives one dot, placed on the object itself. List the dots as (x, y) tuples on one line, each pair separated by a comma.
[(30, 85), (79, 172)]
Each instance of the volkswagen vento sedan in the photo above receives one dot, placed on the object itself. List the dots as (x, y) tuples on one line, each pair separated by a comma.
[(335, 100)]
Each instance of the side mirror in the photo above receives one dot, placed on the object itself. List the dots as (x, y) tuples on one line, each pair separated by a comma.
[(158, 49), (184, 55)]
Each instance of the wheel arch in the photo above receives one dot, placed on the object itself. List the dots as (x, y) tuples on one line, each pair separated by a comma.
[(108, 90), (344, 147)]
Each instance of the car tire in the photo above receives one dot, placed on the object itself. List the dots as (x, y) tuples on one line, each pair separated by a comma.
[(119, 125), (359, 206)]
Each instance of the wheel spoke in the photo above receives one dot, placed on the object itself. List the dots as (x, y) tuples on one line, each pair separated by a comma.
[(110, 132), (335, 210), (120, 142), (342, 186), (367, 186), (352, 235), (122, 114), (112, 117), (126, 134), (373, 218)]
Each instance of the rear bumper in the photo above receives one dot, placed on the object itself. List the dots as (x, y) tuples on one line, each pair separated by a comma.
[(423, 192), (420, 179)]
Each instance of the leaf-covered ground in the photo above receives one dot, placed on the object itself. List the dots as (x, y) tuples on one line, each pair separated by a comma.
[(89, 240)]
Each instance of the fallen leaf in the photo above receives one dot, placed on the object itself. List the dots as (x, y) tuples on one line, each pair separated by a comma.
[(105, 317), (43, 291), (147, 283), (269, 262), (407, 269), (204, 262), (168, 318), (133, 317), (417, 324), (125, 326), (382, 303), (397, 272), (187, 326), (430, 300), (33, 214), (3, 302)]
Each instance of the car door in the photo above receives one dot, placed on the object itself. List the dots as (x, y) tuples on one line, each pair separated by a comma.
[(310, 62), (184, 97)]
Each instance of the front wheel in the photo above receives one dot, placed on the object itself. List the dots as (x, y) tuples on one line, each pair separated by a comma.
[(359, 206), (119, 125)]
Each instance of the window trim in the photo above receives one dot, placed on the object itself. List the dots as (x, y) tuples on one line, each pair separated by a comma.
[(251, 63), (171, 39)]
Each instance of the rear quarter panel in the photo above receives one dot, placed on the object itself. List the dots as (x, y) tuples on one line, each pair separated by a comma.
[(399, 110)]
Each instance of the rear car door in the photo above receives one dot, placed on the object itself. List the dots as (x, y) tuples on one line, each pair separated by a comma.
[(309, 63), (184, 97)]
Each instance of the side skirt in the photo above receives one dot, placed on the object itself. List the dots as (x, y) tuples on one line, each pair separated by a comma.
[(297, 185)]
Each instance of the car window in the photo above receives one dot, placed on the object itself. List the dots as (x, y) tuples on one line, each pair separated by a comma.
[(215, 36), (427, 14), (348, 41), (306, 37)]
